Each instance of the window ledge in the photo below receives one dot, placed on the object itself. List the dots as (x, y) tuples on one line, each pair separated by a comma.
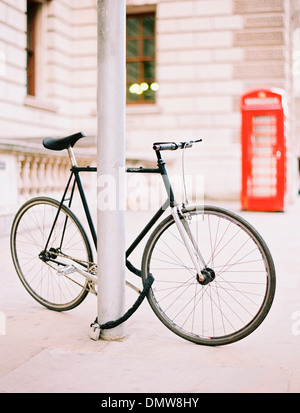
[(142, 109), (39, 103)]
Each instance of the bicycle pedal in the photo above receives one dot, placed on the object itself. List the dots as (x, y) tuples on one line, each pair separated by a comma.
[(66, 270)]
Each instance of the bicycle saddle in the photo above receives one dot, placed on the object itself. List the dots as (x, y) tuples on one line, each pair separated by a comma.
[(58, 144)]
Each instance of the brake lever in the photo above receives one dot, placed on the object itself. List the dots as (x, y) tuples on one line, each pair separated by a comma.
[(189, 144)]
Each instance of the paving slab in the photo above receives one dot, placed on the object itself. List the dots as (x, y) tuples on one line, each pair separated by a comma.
[(47, 352)]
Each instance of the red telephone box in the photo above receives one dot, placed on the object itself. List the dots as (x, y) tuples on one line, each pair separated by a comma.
[(263, 151)]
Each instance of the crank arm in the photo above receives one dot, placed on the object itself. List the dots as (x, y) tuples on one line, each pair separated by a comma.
[(70, 269)]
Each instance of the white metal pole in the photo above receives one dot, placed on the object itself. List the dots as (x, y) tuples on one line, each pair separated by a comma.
[(111, 164)]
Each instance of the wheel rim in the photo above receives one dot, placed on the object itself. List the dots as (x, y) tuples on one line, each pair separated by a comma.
[(40, 278), (229, 307)]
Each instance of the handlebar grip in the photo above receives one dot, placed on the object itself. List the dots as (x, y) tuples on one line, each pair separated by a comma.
[(172, 146), (167, 146)]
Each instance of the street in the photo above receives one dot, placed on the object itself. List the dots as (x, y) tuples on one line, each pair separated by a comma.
[(44, 351)]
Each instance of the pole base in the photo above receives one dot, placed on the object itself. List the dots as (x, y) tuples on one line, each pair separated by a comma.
[(96, 328)]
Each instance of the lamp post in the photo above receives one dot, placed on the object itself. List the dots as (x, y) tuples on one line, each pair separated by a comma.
[(111, 163)]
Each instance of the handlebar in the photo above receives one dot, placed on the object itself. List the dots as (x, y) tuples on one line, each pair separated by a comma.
[(172, 146)]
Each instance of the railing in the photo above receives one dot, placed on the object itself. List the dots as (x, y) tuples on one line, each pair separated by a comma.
[(41, 172), (29, 170)]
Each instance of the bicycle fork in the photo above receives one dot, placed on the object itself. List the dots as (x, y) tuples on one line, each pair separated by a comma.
[(205, 275)]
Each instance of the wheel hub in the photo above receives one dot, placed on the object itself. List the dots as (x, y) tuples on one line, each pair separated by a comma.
[(48, 255), (208, 274)]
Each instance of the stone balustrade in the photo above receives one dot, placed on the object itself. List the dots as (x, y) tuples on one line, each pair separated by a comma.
[(30, 170)]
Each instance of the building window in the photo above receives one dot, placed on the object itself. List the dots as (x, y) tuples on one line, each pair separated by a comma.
[(140, 62), (32, 13)]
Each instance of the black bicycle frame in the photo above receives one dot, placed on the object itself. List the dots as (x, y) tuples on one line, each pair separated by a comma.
[(75, 173)]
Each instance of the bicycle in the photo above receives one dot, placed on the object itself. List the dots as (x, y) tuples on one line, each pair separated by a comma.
[(214, 274)]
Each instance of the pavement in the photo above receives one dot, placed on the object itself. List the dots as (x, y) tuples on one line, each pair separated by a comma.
[(48, 352)]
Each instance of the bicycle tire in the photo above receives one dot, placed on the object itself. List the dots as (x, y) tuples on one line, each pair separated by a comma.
[(235, 302), (29, 233)]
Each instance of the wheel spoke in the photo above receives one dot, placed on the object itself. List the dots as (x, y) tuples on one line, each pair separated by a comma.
[(30, 232), (238, 298)]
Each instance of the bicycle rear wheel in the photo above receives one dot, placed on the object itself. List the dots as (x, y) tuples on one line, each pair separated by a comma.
[(242, 287), (38, 268)]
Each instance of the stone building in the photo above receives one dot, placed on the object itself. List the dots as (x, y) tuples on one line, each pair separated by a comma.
[(188, 63)]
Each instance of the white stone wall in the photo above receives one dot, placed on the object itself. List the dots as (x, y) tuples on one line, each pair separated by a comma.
[(66, 72), (208, 53), (197, 97)]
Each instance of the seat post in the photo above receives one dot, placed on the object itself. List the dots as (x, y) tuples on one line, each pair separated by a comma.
[(72, 156)]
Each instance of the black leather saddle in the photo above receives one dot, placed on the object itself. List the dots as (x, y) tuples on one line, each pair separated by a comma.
[(58, 144)]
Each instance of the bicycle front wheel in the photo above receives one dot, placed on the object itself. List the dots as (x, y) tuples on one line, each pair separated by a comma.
[(242, 286), (37, 267)]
